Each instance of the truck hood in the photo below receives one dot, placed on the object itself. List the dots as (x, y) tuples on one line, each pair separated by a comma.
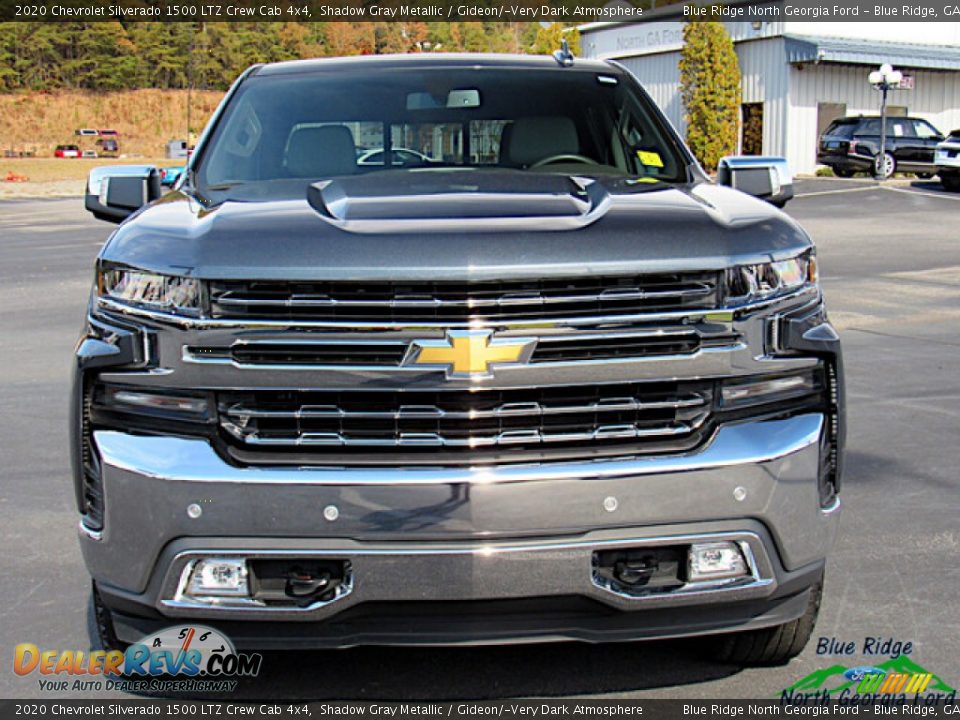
[(455, 225)]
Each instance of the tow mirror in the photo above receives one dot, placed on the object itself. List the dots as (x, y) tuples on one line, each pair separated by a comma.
[(767, 178), (116, 191)]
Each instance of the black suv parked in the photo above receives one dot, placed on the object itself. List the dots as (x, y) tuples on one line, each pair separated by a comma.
[(852, 144)]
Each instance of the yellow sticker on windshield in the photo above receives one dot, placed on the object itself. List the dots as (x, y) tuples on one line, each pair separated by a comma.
[(650, 158)]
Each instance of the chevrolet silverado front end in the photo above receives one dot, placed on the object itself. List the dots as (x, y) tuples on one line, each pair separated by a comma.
[(550, 383)]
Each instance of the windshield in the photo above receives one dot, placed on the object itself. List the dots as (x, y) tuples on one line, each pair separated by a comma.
[(303, 127)]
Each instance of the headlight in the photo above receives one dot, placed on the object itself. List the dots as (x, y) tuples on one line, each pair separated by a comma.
[(768, 280), (166, 293)]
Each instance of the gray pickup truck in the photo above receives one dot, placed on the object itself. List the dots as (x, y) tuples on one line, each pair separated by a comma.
[(524, 374)]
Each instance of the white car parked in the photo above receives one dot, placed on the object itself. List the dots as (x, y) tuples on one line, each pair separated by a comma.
[(947, 159)]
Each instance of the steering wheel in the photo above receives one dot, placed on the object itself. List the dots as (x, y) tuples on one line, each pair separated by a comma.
[(563, 158)]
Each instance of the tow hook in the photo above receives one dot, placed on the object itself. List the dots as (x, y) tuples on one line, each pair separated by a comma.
[(635, 571), (642, 570), (301, 584)]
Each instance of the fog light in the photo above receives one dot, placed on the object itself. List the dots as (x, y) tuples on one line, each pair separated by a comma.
[(161, 402), (154, 403), (715, 561), (765, 390), (213, 577)]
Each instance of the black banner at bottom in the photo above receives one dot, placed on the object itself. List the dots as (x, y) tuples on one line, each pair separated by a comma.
[(506, 710)]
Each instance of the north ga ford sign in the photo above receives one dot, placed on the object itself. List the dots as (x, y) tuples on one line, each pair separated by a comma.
[(637, 40)]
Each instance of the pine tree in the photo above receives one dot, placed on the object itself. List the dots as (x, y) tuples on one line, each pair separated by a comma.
[(710, 87), (111, 56)]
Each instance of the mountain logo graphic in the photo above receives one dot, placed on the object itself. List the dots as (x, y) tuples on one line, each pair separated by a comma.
[(899, 675)]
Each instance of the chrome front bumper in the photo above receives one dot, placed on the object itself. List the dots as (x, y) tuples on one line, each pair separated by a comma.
[(448, 534), (401, 572)]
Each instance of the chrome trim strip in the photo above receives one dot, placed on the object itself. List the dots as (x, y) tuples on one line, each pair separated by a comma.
[(194, 460), (533, 409), (873, 159), (718, 350), (308, 342), (725, 314), (656, 332), (508, 437), (505, 300)]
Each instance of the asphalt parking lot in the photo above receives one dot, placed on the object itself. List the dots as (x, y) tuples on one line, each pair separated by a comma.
[(890, 263)]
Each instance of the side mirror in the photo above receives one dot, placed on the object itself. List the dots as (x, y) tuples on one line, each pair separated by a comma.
[(116, 191), (767, 178)]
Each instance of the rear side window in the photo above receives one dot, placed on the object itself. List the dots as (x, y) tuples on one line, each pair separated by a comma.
[(925, 130), (838, 129)]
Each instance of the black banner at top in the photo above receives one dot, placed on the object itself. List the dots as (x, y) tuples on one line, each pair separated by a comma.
[(572, 12)]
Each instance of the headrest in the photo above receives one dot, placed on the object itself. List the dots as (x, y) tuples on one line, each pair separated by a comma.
[(318, 152), (535, 138)]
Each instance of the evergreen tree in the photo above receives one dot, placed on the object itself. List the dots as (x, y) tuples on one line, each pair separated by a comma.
[(710, 86), (111, 56), (549, 39)]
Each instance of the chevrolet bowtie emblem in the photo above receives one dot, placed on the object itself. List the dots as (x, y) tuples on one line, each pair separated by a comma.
[(469, 353)]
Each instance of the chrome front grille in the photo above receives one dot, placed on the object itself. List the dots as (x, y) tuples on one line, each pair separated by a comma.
[(463, 302), (580, 418), (371, 352)]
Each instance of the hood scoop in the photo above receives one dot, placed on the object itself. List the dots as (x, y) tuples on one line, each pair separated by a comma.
[(438, 201)]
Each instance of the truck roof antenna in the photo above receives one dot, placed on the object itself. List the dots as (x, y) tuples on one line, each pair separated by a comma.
[(563, 56)]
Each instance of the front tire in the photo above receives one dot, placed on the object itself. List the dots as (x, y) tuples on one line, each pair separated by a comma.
[(775, 645), (843, 172), (100, 624), (885, 167), (950, 183)]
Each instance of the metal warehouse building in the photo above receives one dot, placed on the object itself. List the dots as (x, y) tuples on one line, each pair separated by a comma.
[(797, 76)]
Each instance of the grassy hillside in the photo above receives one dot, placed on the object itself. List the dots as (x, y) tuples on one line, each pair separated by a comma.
[(145, 119)]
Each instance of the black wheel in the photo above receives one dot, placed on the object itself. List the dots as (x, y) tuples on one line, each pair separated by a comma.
[(773, 645), (100, 624), (843, 172), (885, 166), (951, 182), (924, 176)]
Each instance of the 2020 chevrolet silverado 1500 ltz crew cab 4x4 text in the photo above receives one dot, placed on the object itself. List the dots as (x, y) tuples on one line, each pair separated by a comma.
[(551, 383)]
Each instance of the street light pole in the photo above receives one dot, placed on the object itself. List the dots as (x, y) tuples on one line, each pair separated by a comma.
[(882, 156), (883, 79)]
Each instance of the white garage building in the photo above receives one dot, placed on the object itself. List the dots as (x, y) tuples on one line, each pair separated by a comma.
[(797, 76)]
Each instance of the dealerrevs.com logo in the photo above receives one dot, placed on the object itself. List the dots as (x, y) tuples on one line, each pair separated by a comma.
[(182, 657)]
